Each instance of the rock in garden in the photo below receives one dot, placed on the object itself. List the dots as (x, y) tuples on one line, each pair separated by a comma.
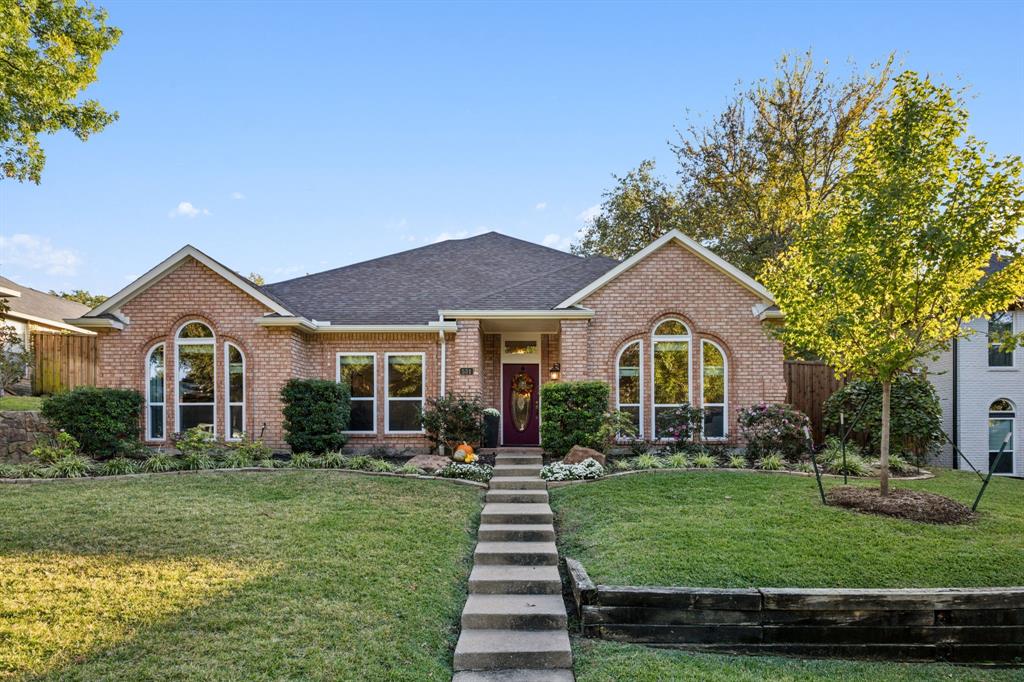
[(429, 462), (579, 453)]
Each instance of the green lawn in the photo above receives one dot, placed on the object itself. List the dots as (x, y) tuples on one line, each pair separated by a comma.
[(21, 402), (301, 575), (732, 529), (598, 661)]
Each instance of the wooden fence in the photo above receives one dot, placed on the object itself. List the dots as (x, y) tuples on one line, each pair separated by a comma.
[(808, 386), (62, 362)]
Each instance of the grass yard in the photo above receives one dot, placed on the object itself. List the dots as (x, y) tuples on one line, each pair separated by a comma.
[(731, 529), (301, 575), (598, 661), (21, 403)]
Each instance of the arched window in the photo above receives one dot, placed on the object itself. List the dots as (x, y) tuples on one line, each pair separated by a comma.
[(629, 384), (714, 390), (234, 389), (155, 393), (1001, 418), (197, 383), (670, 350)]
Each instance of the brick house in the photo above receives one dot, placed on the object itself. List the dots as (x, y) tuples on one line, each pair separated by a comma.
[(490, 315)]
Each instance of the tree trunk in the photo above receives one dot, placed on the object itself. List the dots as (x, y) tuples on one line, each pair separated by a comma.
[(883, 462)]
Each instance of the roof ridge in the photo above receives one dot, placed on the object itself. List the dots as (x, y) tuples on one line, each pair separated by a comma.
[(546, 273)]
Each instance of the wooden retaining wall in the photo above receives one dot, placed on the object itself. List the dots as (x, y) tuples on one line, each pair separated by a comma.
[(957, 625)]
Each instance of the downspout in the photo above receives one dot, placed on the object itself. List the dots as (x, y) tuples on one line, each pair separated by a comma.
[(444, 353), (956, 403)]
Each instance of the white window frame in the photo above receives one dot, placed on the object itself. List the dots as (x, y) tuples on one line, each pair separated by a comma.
[(227, 391), (387, 387), (640, 404), (1012, 418), (725, 391), (373, 398), (178, 343), (655, 338), (989, 344), (163, 403)]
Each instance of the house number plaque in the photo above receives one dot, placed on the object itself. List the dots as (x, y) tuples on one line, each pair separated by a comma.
[(465, 371)]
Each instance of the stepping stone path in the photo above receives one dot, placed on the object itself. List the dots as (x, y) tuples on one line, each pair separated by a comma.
[(514, 623)]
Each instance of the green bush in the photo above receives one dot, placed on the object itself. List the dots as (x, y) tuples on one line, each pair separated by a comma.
[(303, 460), (332, 460), (572, 413), (381, 465), (160, 461), (49, 450), (648, 462), (453, 420), (915, 415), (737, 461), (118, 466), (855, 466), (195, 441), (69, 466), (316, 412), (358, 463), (705, 460), (409, 469), (775, 428), (770, 462), (194, 461), (677, 460), (99, 418)]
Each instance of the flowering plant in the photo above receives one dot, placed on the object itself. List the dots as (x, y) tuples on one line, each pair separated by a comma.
[(471, 472), (559, 471), (771, 427)]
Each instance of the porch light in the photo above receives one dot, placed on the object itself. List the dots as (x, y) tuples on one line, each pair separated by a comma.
[(554, 371)]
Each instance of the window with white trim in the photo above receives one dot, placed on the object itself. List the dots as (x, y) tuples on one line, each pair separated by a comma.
[(1001, 419), (404, 377), (197, 383), (670, 370), (714, 390), (155, 393), (234, 390), (359, 371), (999, 324), (629, 383)]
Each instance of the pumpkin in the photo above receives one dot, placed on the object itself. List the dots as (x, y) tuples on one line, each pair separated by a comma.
[(463, 453)]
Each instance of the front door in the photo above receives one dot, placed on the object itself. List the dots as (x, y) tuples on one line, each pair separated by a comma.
[(520, 389)]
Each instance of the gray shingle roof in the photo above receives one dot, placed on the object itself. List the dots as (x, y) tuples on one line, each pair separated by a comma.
[(40, 304), (488, 272)]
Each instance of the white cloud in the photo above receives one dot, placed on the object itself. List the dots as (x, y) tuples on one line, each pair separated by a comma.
[(187, 210), (557, 241), (37, 253), (541, 206), (589, 214), (237, 196)]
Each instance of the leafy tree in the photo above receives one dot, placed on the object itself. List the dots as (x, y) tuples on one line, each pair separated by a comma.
[(49, 53), (14, 356), (889, 270), (257, 279), (81, 296), (637, 211)]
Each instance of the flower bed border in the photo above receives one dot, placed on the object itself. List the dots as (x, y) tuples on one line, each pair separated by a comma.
[(666, 470), (244, 470), (960, 625)]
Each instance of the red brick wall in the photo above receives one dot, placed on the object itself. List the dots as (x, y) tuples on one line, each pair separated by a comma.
[(464, 351), (675, 282), (492, 370)]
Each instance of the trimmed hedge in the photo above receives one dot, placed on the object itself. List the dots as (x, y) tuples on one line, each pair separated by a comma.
[(316, 411), (571, 414), (98, 418)]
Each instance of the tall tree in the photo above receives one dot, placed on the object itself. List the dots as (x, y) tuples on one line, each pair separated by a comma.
[(639, 209), (81, 296), (886, 273), (49, 53), (257, 279)]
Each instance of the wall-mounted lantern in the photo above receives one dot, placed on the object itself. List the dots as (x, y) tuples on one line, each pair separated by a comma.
[(555, 371)]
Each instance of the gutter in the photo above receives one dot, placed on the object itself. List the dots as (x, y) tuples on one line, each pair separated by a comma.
[(568, 314), (319, 327)]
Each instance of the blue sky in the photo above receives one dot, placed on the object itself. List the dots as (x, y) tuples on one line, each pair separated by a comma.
[(290, 138)]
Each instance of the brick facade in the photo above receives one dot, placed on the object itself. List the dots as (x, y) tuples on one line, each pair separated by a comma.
[(670, 282)]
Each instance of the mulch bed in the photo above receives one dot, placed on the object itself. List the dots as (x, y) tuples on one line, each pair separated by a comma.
[(913, 505)]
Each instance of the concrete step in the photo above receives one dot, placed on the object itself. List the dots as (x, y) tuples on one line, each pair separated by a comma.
[(504, 649), (515, 580), (516, 675), (516, 496), (519, 459), (515, 512), (502, 470), (518, 483), (516, 532), (514, 612), (516, 553)]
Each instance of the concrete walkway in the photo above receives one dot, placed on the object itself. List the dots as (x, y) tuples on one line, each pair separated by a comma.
[(514, 623)]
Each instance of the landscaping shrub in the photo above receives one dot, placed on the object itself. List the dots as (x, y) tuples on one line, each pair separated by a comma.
[(253, 450), (639, 447), (770, 462), (855, 466), (679, 423), (804, 467), (737, 461), (381, 465), (775, 428), (332, 460), (118, 466), (677, 460), (316, 412), (615, 426), (237, 458), (49, 450), (453, 420), (303, 460), (915, 415), (470, 472), (160, 461), (409, 469), (195, 441), (559, 471), (99, 418), (69, 466), (195, 460), (647, 462), (705, 460), (572, 413), (358, 463)]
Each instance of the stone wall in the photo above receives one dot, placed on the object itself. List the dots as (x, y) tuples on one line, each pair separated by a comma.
[(19, 431)]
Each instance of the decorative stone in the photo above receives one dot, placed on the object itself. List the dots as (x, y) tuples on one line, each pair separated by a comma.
[(19, 431), (429, 463), (579, 453)]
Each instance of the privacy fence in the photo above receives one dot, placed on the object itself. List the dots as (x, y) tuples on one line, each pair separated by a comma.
[(960, 625), (62, 362), (808, 386)]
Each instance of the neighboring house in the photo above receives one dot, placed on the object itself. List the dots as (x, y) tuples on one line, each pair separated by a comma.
[(488, 315), (981, 390), (35, 311)]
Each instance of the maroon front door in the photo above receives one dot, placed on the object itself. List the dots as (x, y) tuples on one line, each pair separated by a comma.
[(520, 388)]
